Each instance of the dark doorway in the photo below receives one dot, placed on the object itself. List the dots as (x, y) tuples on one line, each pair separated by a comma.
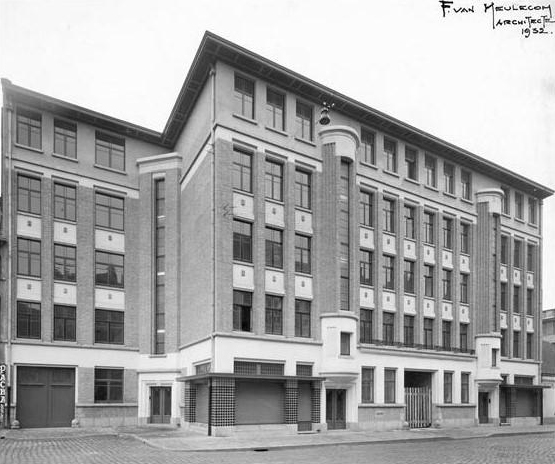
[(45, 396), (335, 409), (483, 407), (160, 405), (418, 399)]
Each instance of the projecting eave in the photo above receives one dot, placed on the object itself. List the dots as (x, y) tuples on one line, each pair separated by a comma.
[(214, 48), (64, 109)]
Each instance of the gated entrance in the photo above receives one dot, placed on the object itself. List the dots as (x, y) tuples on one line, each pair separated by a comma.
[(418, 399), (335, 409)]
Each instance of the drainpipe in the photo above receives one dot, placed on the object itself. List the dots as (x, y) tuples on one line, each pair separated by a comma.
[(212, 75), (210, 407)]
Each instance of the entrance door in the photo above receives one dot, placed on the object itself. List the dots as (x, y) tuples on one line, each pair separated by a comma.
[(160, 405), (418, 409), (483, 406), (335, 409), (45, 396)]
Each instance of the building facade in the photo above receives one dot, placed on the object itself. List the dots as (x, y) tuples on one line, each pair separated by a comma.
[(548, 365), (250, 267)]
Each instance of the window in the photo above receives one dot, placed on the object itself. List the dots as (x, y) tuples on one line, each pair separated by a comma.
[(388, 334), (506, 203), (532, 211), (429, 227), (366, 209), (517, 262), (390, 153), (29, 130), (274, 248), (275, 109), (428, 280), (408, 330), (504, 249), (274, 180), (64, 263), (244, 97), (447, 284), (110, 151), (409, 222), (366, 325), (367, 140), (303, 188), (465, 238), (465, 387), (65, 138), (464, 288), (516, 343), (303, 254), (28, 257), (447, 387), (411, 163), (466, 185), (516, 299), (345, 349), (446, 333), (494, 355), (530, 257), (367, 379), (242, 170), (389, 215), (503, 342), (529, 302), (302, 318), (389, 385), (428, 333), (108, 326), (274, 315), (28, 194), (529, 346), (449, 178), (430, 168), (519, 206), (366, 267), (109, 269), (409, 276), (28, 320), (64, 202), (242, 306), (504, 305), (463, 337), (447, 233), (242, 241), (304, 121), (389, 272), (64, 323), (109, 211), (108, 385)]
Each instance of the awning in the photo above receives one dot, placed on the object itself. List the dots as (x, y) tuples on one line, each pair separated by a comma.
[(228, 375)]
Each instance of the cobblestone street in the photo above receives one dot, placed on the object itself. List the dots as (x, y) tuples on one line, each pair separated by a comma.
[(523, 449)]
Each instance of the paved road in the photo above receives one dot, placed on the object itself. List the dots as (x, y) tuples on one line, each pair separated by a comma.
[(536, 449)]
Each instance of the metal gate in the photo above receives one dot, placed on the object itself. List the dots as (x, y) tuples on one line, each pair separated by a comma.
[(418, 401)]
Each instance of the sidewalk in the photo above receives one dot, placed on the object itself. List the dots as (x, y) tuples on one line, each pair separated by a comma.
[(170, 438)]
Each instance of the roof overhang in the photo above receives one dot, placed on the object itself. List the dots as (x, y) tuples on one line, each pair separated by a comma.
[(227, 375)]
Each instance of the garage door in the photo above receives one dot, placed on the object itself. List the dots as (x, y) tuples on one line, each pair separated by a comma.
[(259, 402), (45, 396)]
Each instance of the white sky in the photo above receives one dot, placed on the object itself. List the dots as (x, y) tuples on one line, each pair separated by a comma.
[(491, 92)]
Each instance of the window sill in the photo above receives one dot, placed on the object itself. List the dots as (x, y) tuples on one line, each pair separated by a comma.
[(531, 224), (65, 282), (107, 287), (65, 342), (67, 158), (109, 343), (412, 181), (274, 269), (274, 201), (108, 229), (308, 142), (522, 221), (368, 165), (33, 215), (26, 147), (244, 118), (506, 215), (243, 192), (432, 188), (277, 131), (450, 195), (107, 168), (22, 276), (303, 274), (154, 356), (368, 286), (466, 200), (391, 173), (243, 263), (65, 221), (303, 210)]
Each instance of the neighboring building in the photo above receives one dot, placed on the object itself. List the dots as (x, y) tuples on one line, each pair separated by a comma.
[(548, 364), (249, 266)]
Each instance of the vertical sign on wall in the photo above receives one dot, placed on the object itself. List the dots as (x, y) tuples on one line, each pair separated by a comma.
[(3, 389)]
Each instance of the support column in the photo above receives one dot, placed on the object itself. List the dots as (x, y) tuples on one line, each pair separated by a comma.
[(223, 402), (291, 401), (315, 402), (189, 402)]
